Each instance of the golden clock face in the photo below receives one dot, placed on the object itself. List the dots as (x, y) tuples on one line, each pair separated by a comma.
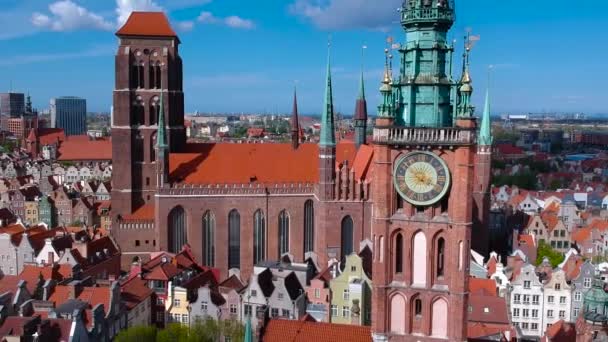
[(421, 178)]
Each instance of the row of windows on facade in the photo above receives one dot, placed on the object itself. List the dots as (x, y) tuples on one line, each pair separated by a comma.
[(178, 234), (137, 79), (586, 284), (535, 298), (525, 313)]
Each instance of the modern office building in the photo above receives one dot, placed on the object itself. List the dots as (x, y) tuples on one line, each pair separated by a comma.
[(70, 114), (12, 104)]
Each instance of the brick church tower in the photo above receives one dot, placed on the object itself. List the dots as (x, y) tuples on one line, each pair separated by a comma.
[(425, 147), (148, 75)]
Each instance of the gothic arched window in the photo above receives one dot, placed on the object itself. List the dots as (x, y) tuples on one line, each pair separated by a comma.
[(259, 237), (440, 257), (419, 259), (309, 226), (153, 148), (158, 76), (177, 229), (346, 236), (154, 110), (283, 232), (399, 253), (234, 239), (138, 112), (209, 239)]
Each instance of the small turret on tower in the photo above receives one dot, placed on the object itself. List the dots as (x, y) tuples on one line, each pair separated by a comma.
[(360, 116), (465, 108), (295, 123), (386, 109)]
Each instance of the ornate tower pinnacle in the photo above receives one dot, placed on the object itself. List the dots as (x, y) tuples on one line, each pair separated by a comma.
[(386, 108), (360, 117), (328, 134), (465, 109), (295, 122), (485, 131)]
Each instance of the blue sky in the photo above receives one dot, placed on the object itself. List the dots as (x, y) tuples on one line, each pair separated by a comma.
[(549, 55)]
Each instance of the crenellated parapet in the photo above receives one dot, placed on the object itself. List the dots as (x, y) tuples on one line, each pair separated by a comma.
[(424, 136), (252, 189)]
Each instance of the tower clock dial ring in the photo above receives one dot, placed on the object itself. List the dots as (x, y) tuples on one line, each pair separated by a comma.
[(421, 178)]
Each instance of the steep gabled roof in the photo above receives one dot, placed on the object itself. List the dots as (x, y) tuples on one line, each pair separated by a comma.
[(147, 24), (227, 163)]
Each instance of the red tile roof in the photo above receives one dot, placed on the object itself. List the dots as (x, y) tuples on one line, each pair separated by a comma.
[(279, 330), (476, 330), (134, 291), (153, 24), (491, 266), (581, 235), (85, 148), (252, 163), (49, 136), (561, 331), (485, 287), (509, 149), (488, 309), (145, 212)]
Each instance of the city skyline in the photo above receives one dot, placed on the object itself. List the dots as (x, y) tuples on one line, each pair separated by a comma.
[(239, 57)]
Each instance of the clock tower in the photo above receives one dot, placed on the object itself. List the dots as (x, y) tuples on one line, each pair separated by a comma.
[(424, 174)]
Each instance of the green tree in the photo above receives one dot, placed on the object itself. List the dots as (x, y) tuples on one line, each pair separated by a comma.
[(174, 332), (137, 333), (544, 250)]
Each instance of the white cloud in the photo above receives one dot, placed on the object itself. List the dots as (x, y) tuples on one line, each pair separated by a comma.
[(231, 21), (66, 15), (125, 7), (185, 25), (238, 22), (347, 14)]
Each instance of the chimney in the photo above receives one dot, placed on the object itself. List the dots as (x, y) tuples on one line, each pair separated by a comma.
[(47, 289), (75, 290)]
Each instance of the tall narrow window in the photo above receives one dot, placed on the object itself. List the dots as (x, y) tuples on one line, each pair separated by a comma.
[(283, 232), (140, 75), (309, 226), (439, 322), (158, 77), (440, 257), (153, 148), (209, 239), (138, 148), (177, 229), (138, 112), (259, 237), (134, 79), (460, 255), (154, 110), (152, 75), (399, 254), (347, 236), (234, 239), (419, 257), (397, 315), (418, 307)]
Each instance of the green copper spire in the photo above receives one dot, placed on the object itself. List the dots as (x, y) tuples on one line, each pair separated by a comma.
[(161, 138), (328, 135), (361, 88), (485, 132)]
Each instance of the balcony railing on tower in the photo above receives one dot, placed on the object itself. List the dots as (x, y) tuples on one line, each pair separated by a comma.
[(427, 136)]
